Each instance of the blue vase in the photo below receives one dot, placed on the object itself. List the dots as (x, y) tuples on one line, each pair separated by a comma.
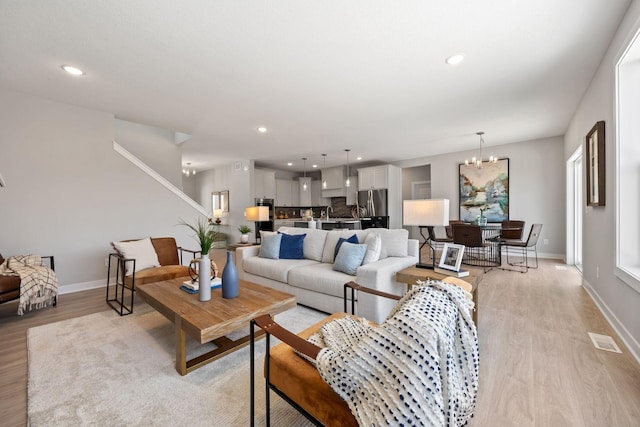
[(230, 287)]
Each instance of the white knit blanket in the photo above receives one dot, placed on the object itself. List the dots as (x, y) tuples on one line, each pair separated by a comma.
[(419, 367), (38, 283)]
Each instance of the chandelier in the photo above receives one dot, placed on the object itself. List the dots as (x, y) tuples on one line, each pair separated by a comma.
[(477, 162), (188, 170)]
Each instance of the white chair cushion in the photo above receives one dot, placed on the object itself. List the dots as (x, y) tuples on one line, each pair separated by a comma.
[(141, 250)]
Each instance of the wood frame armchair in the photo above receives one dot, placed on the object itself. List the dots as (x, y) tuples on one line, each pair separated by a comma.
[(294, 379)]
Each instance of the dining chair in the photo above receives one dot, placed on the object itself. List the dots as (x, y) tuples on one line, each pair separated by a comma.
[(524, 247), (512, 229), (475, 251)]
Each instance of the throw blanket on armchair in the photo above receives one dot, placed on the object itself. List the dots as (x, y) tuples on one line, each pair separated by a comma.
[(419, 367), (38, 283)]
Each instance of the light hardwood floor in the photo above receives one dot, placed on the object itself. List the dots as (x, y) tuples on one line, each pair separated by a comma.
[(537, 364)]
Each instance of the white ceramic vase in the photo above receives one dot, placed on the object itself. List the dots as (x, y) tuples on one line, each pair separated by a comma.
[(244, 238), (204, 278)]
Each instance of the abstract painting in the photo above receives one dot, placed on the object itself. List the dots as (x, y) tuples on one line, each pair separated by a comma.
[(484, 190)]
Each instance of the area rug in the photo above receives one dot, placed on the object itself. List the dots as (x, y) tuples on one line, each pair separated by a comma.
[(103, 369)]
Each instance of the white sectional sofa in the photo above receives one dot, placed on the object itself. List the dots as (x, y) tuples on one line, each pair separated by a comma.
[(316, 284)]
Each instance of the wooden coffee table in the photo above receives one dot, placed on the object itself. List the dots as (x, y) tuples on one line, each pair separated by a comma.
[(211, 320)]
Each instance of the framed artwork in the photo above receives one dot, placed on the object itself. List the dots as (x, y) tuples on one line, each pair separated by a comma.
[(595, 165), (451, 257), (484, 190), (220, 200)]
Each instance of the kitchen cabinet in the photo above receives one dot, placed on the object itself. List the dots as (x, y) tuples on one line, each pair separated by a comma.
[(305, 196), (375, 177), (352, 191), (334, 176), (287, 192), (316, 195), (264, 184)]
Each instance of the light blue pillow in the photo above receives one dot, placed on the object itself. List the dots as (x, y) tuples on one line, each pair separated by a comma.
[(349, 257), (270, 246)]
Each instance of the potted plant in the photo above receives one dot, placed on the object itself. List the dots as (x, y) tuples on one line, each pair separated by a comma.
[(205, 235), (244, 233), (482, 220)]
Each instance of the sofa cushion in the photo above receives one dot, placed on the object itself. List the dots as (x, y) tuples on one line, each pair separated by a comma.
[(374, 247), (394, 242), (314, 242), (349, 258), (291, 246), (270, 246), (274, 269), (328, 254), (141, 250), (321, 278), (341, 240)]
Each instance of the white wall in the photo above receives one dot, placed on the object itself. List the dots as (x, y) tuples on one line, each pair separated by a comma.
[(536, 185), (619, 301), (238, 182), (69, 194), (154, 146)]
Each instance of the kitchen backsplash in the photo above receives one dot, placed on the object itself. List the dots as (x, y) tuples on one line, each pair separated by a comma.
[(338, 204)]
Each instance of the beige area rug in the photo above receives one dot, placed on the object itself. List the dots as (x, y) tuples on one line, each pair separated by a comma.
[(103, 369)]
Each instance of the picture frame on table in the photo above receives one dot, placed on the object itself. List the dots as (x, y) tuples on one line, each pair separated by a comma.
[(595, 172), (451, 257)]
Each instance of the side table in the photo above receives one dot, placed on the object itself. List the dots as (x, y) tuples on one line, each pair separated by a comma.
[(411, 275), (234, 246)]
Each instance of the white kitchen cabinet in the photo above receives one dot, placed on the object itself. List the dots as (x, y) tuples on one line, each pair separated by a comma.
[(264, 184), (334, 176), (374, 177), (352, 191), (306, 198), (316, 195), (287, 192), (283, 192)]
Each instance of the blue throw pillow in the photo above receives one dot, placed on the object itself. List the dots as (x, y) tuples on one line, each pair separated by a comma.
[(350, 257), (270, 246), (352, 239), (291, 246)]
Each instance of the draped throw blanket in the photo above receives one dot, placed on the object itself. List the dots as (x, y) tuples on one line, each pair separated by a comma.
[(38, 283), (419, 367)]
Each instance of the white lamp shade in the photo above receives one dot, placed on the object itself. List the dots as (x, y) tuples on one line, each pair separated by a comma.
[(217, 213), (426, 212), (257, 213)]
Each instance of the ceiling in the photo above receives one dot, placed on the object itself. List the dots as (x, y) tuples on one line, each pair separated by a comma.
[(322, 76)]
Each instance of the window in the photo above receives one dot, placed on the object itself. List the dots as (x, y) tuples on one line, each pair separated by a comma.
[(628, 165)]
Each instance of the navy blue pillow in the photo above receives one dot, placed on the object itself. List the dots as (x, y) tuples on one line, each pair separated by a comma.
[(291, 246), (352, 239)]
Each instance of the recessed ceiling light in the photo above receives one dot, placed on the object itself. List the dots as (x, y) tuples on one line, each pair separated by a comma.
[(359, 158), (72, 70), (289, 164), (262, 129), (455, 59), (314, 166)]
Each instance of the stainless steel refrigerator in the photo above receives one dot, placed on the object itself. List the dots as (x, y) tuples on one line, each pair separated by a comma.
[(373, 208)]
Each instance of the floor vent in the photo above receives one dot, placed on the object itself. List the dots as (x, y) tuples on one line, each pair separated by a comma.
[(604, 342), (561, 267)]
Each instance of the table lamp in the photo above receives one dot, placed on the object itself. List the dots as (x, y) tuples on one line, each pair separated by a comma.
[(426, 213), (257, 214), (217, 214)]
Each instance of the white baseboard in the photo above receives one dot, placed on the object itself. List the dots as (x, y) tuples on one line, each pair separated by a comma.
[(85, 286), (623, 333)]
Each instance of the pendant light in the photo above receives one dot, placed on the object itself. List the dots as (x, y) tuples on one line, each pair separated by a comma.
[(324, 165), (188, 170), (347, 183), (477, 162), (304, 184)]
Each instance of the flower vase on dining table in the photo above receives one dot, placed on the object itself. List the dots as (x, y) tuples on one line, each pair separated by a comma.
[(230, 285)]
